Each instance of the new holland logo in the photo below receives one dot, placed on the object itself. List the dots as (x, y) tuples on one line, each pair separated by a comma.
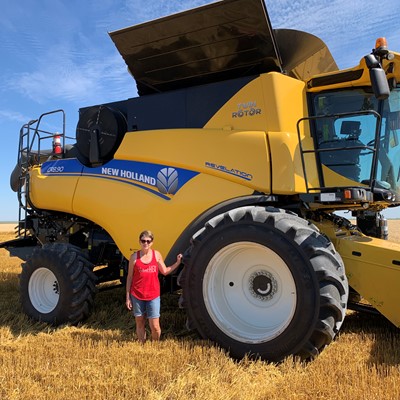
[(167, 181)]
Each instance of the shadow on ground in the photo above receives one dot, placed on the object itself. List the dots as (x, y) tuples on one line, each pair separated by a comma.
[(385, 336)]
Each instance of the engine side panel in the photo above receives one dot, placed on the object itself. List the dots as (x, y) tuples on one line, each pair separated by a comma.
[(163, 180)]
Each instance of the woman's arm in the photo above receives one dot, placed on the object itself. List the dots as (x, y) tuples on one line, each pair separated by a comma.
[(163, 268), (129, 281)]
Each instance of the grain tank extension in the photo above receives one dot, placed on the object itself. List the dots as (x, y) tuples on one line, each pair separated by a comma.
[(242, 144)]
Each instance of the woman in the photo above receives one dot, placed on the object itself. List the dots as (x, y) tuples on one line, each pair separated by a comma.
[(143, 286)]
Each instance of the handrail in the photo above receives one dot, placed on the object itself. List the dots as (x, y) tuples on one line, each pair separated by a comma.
[(317, 151), (30, 153)]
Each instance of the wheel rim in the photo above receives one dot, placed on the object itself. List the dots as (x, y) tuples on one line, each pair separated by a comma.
[(43, 290), (249, 292)]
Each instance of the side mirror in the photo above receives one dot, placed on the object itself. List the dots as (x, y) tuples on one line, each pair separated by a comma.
[(379, 83), (377, 75)]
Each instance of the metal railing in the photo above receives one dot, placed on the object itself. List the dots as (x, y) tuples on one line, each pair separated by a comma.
[(31, 152)]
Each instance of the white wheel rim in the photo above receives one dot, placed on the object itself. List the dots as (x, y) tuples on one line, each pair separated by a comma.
[(249, 292), (43, 290)]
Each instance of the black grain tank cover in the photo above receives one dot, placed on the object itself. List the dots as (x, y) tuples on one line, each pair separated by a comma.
[(223, 40)]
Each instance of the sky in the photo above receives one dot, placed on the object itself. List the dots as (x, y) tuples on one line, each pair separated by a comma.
[(57, 54)]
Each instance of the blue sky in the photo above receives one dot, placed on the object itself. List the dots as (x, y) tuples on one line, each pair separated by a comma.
[(57, 54)]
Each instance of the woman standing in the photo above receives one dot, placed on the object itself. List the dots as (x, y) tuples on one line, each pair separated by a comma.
[(143, 286)]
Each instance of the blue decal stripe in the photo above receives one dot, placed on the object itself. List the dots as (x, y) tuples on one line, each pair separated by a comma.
[(162, 180), (61, 174), (165, 197)]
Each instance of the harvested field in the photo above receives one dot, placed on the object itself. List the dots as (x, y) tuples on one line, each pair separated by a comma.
[(7, 227), (101, 360)]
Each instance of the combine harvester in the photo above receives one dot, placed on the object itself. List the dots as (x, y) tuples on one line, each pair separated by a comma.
[(243, 143)]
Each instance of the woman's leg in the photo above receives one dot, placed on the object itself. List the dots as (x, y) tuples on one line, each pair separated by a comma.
[(155, 328), (141, 328), (139, 311), (153, 314)]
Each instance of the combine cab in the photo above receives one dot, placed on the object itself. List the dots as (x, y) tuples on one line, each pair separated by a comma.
[(243, 143)]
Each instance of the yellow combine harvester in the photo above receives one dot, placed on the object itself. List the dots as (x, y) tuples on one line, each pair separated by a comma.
[(243, 143)]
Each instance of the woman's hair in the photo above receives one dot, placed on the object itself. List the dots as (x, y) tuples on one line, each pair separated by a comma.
[(148, 234)]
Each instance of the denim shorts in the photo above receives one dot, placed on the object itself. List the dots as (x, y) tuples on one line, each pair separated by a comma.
[(146, 308)]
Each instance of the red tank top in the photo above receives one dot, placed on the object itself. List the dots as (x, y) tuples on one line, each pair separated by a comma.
[(145, 283)]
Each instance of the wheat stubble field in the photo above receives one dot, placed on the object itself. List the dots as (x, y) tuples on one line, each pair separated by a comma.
[(100, 359)]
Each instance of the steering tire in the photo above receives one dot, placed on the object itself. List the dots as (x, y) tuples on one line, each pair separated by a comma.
[(57, 285)]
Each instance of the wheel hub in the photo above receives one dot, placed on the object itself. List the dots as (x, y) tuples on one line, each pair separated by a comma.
[(262, 285), (56, 288)]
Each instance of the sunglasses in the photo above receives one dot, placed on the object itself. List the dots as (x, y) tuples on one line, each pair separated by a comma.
[(148, 241)]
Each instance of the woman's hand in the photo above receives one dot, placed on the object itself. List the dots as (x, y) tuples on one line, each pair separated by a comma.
[(128, 303)]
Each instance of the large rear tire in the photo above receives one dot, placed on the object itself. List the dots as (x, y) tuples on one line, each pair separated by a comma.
[(57, 285), (264, 282)]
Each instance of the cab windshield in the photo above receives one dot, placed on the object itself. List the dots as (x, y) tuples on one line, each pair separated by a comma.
[(357, 137)]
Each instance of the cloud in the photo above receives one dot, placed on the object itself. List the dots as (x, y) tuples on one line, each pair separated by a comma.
[(75, 77), (347, 28), (52, 62), (140, 11), (80, 65), (13, 116)]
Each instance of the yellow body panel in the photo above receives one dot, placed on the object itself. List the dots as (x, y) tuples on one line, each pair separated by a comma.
[(285, 107), (334, 179), (124, 210), (364, 79), (285, 102), (372, 272), (245, 109), (372, 268), (201, 149), (288, 178), (48, 194), (272, 102)]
